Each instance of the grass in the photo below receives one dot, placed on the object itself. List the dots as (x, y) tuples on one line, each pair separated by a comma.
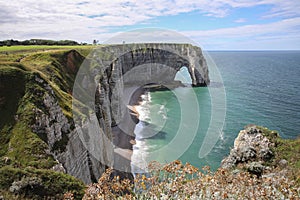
[(12, 88), (287, 149), (23, 153), (47, 184), (15, 54), (28, 149), (58, 69), (34, 48), (18, 143)]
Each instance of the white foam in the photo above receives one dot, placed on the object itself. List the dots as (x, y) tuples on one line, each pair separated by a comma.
[(140, 149)]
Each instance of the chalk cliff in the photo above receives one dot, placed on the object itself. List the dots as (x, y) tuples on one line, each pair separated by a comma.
[(103, 87), (109, 79)]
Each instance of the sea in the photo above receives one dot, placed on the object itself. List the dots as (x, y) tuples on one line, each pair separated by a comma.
[(198, 125)]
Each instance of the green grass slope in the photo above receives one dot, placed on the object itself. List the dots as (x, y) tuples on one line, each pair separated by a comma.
[(25, 165)]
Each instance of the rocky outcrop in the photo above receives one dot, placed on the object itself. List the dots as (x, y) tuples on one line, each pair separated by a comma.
[(49, 119), (250, 147)]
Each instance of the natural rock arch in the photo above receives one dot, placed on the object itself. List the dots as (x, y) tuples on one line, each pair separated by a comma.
[(132, 66), (101, 86), (157, 57), (137, 65)]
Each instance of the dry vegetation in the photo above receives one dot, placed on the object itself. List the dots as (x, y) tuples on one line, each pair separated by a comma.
[(178, 181)]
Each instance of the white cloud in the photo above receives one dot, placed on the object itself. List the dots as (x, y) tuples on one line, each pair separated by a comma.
[(127, 12), (280, 27), (278, 32), (84, 20), (240, 20), (287, 8)]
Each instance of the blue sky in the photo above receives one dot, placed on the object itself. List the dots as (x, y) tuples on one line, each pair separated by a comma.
[(213, 24)]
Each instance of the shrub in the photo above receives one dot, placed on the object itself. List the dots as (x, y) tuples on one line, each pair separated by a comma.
[(178, 181)]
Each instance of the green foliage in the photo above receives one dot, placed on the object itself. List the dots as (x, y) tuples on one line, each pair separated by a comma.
[(272, 135), (27, 149), (8, 174), (12, 88), (290, 151), (4, 139), (50, 184), (37, 42), (59, 70), (24, 79), (284, 148), (40, 48)]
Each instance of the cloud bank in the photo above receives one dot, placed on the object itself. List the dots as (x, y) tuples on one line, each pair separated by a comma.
[(85, 20)]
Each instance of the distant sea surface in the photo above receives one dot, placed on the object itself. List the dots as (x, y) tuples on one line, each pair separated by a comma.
[(262, 87)]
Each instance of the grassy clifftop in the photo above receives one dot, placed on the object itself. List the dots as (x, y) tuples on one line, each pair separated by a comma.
[(25, 161)]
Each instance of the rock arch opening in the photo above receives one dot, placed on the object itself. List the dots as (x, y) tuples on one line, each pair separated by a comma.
[(184, 76)]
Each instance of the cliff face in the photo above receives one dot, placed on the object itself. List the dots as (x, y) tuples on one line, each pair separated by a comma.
[(36, 126), (108, 80), (36, 129), (53, 119), (62, 140), (77, 115)]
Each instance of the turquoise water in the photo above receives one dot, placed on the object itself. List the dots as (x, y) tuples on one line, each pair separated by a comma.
[(261, 88)]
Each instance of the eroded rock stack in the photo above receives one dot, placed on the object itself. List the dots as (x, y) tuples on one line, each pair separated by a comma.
[(251, 148)]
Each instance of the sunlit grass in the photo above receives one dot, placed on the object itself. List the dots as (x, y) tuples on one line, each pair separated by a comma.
[(21, 94), (41, 47)]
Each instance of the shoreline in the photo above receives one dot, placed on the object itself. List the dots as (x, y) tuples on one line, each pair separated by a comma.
[(124, 133), (124, 138)]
